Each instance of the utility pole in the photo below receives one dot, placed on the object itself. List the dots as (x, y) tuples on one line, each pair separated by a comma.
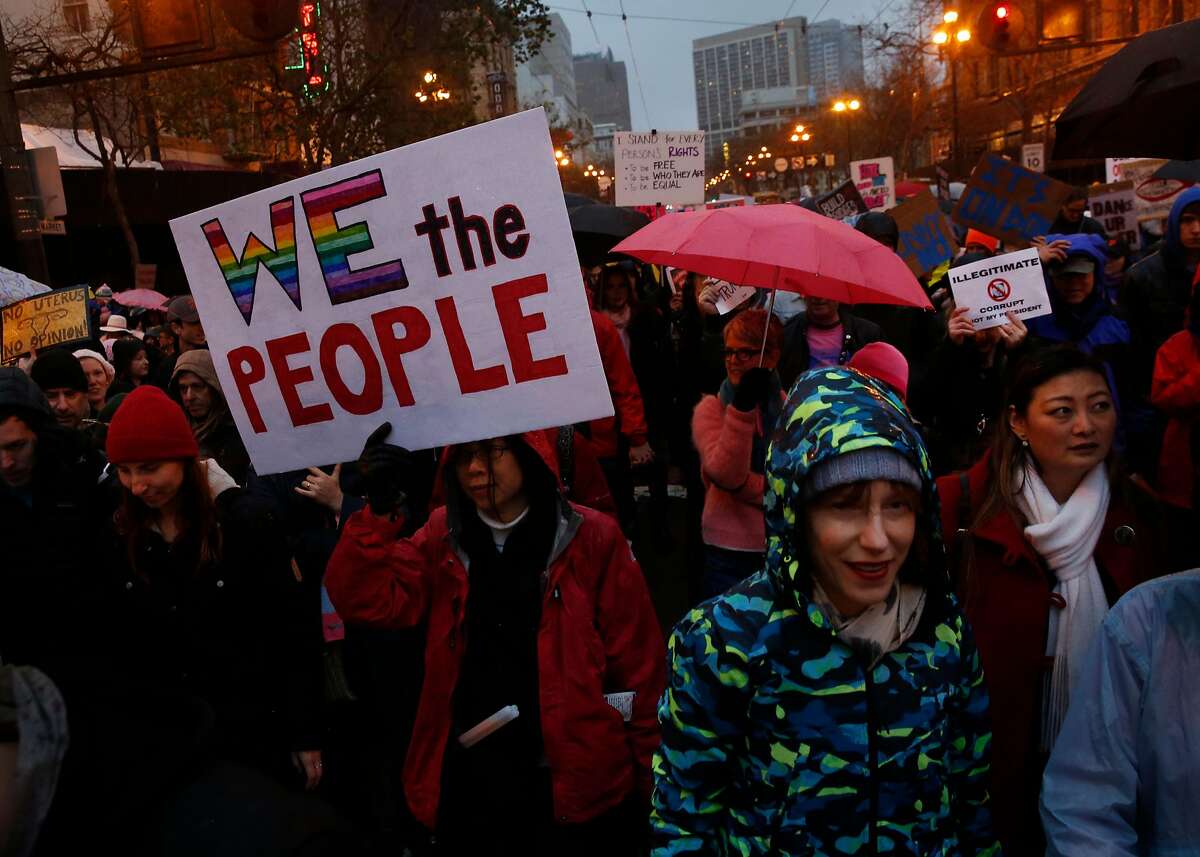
[(17, 182), (956, 157)]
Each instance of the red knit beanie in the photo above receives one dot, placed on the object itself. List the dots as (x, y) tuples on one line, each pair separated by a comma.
[(148, 426)]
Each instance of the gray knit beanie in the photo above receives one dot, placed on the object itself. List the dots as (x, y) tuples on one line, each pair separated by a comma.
[(862, 465)]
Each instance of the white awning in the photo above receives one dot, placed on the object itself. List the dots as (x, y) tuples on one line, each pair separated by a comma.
[(70, 154)]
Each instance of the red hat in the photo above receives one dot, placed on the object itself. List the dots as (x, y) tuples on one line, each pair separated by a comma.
[(974, 236), (148, 426), (883, 362)]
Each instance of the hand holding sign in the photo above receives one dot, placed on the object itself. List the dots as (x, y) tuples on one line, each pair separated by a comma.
[(383, 466), (998, 289)]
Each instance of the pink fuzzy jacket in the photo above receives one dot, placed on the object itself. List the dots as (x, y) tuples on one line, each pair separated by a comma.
[(733, 499)]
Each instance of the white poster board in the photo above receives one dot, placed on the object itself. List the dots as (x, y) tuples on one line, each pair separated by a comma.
[(1033, 157), (875, 180), (1115, 207), (730, 296), (659, 167), (1153, 197), (994, 287), (426, 286)]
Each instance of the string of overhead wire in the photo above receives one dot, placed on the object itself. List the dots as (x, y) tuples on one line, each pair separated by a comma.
[(670, 18), (591, 23), (637, 75)]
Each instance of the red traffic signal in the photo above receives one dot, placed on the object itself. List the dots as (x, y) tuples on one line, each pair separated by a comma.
[(1000, 26)]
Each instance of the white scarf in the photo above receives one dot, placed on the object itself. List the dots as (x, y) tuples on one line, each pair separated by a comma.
[(1065, 537)]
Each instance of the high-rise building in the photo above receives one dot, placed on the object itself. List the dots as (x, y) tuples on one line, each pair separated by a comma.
[(835, 59), (756, 75), (767, 75), (548, 78), (603, 89)]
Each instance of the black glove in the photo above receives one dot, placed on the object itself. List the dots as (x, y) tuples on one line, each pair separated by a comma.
[(384, 468), (753, 389)]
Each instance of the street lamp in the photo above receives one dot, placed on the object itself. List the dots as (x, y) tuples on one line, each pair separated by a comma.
[(427, 90), (942, 40), (846, 106)]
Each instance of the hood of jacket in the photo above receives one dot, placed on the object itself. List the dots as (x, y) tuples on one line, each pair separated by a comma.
[(1191, 196), (1076, 321), (830, 412), (199, 362)]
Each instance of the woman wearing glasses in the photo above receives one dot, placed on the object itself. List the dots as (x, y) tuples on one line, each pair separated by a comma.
[(543, 667), (731, 431)]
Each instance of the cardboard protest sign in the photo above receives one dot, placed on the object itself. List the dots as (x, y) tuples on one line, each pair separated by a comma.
[(876, 182), (730, 296), (926, 237), (427, 286), (1115, 206), (1009, 202), (1153, 197), (994, 287), (659, 167), (842, 201), (51, 318)]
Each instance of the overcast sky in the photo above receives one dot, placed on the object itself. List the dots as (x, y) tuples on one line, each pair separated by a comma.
[(663, 49)]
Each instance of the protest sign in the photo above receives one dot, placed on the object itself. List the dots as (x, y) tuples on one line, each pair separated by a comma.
[(1153, 197), (144, 276), (51, 318), (842, 201), (428, 286), (926, 237), (1008, 201), (1115, 206), (875, 180), (994, 287), (730, 296), (659, 167)]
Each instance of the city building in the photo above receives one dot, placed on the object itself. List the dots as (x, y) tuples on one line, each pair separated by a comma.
[(603, 89), (602, 141), (548, 79), (835, 59), (766, 76)]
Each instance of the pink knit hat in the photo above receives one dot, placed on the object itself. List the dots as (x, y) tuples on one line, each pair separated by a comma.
[(885, 363)]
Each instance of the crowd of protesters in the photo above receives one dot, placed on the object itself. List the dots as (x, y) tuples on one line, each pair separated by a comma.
[(929, 568)]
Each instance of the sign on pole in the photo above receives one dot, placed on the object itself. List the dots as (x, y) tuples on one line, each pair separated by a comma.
[(926, 237), (659, 167), (51, 318), (1009, 201), (1033, 157), (842, 201), (1115, 206), (426, 286), (875, 180), (1152, 197), (994, 287)]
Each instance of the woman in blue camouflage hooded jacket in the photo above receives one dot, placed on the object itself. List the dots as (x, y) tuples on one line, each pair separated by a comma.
[(833, 703)]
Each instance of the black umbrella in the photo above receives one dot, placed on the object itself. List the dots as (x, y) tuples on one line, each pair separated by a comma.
[(1184, 171), (574, 200), (1142, 101), (598, 228)]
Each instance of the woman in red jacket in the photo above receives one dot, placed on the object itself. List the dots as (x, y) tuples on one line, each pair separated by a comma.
[(543, 658), (1045, 537)]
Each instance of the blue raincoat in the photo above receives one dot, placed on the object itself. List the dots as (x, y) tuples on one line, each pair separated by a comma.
[(1124, 777)]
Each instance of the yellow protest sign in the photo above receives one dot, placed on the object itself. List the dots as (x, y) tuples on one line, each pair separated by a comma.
[(53, 318)]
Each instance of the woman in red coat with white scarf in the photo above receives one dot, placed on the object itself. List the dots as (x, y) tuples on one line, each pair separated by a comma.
[(543, 658)]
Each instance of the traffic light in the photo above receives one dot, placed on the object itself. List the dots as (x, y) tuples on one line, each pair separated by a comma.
[(261, 20), (1000, 26)]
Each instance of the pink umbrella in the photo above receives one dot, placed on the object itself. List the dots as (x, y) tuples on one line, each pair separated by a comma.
[(779, 247), (145, 298)]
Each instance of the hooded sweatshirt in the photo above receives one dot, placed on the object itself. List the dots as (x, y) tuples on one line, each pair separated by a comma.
[(777, 736)]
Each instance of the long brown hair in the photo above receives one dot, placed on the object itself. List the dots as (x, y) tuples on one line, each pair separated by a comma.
[(199, 540)]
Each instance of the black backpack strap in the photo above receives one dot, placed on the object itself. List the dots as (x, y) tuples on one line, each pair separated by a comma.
[(962, 537)]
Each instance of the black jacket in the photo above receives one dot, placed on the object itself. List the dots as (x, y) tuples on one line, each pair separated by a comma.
[(858, 332), (1154, 298), (1086, 226), (238, 632)]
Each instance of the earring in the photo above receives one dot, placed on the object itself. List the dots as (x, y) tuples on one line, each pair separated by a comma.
[(1024, 443)]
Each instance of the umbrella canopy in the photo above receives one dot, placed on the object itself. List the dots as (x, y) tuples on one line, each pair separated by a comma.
[(15, 287), (1141, 102), (574, 200), (145, 298), (779, 247), (1184, 171), (598, 227)]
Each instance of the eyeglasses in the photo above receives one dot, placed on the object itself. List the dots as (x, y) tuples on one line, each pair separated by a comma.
[(465, 456), (741, 355)]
